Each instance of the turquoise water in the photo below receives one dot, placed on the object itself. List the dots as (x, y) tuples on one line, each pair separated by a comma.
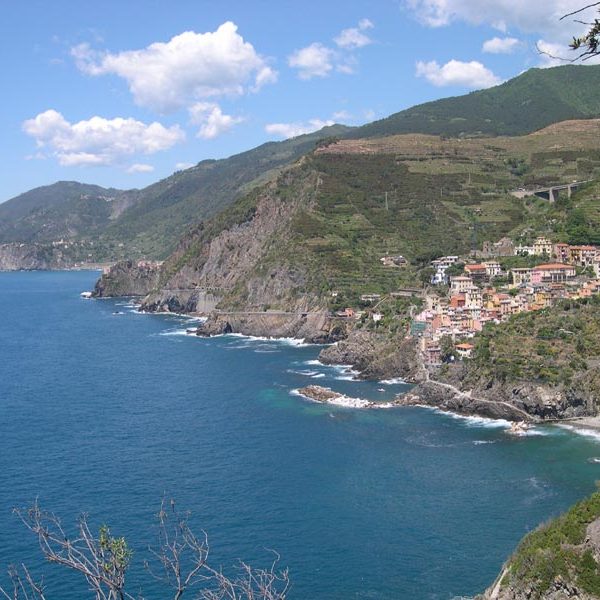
[(104, 413)]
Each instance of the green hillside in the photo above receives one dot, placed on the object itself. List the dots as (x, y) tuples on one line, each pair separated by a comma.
[(150, 221), (418, 196), (558, 559), (524, 104), (63, 210), (164, 210), (146, 222)]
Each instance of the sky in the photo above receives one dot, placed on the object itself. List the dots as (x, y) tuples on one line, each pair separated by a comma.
[(122, 93)]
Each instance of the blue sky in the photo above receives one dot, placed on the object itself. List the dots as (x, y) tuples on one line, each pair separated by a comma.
[(122, 93)]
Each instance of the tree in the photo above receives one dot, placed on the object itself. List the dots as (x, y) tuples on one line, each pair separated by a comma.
[(588, 44), (178, 561), (590, 41)]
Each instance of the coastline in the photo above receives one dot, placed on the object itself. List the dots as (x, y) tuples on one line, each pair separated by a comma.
[(373, 357)]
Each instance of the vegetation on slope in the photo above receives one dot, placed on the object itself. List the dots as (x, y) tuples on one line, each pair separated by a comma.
[(147, 222), (552, 346), (415, 196), (521, 105), (63, 210), (166, 209), (557, 554)]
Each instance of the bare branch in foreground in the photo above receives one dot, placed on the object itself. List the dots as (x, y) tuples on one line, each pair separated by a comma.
[(23, 586), (179, 562)]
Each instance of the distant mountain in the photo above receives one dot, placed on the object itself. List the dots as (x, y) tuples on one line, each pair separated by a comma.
[(531, 101), (150, 221), (164, 210), (62, 210)]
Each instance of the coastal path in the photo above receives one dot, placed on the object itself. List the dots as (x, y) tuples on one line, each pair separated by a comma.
[(462, 394)]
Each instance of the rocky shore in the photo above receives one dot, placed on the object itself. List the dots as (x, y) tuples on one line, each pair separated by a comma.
[(324, 395), (447, 397), (312, 327), (377, 356)]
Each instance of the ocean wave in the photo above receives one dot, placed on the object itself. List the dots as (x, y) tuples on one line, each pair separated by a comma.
[(470, 420), (261, 338), (591, 433), (392, 381), (318, 375), (481, 442), (314, 362), (306, 373), (174, 332), (347, 373)]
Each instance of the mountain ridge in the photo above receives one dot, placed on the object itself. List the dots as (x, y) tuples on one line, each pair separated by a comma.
[(147, 223)]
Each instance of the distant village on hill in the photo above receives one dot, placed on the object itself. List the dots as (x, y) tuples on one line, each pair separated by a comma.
[(465, 295), (485, 292)]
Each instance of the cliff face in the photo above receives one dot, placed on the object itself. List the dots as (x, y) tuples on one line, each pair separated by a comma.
[(512, 400), (29, 257), (241, 262), (377, 356), (127, 278)]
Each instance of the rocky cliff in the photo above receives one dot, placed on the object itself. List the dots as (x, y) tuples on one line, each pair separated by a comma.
[(377, 356), (127, 278), (30, 257)]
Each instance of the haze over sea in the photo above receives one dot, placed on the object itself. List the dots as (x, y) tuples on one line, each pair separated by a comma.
[(104, 413)]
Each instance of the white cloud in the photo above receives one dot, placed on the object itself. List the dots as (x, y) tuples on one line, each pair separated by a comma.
[(533, 16), (182, 166), (342, 116), (497, 45), (315, 60), (289, 130), (465, 74), (318, 60), (98, 141), (140, 168), (213, 122), (191, 66), (354, 37)]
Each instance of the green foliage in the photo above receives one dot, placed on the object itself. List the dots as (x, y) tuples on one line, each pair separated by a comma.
[(114, 551), (551, 346), (524, 104), (553, 550)]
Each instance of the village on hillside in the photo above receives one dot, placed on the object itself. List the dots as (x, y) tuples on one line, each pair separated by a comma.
[(483, 292)]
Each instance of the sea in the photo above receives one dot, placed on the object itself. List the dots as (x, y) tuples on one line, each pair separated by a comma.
[(105, 411)]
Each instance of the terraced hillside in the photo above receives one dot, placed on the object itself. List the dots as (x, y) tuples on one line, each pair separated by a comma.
[(417, 196)]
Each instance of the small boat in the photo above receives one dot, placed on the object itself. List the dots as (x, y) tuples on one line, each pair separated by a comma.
[(86, 295), (519, 427)]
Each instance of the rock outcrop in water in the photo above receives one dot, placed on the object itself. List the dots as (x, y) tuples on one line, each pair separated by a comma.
[(127, 278), (324, 395)]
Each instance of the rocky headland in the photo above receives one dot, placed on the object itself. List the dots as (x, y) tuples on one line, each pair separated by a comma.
[(127, 278)]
